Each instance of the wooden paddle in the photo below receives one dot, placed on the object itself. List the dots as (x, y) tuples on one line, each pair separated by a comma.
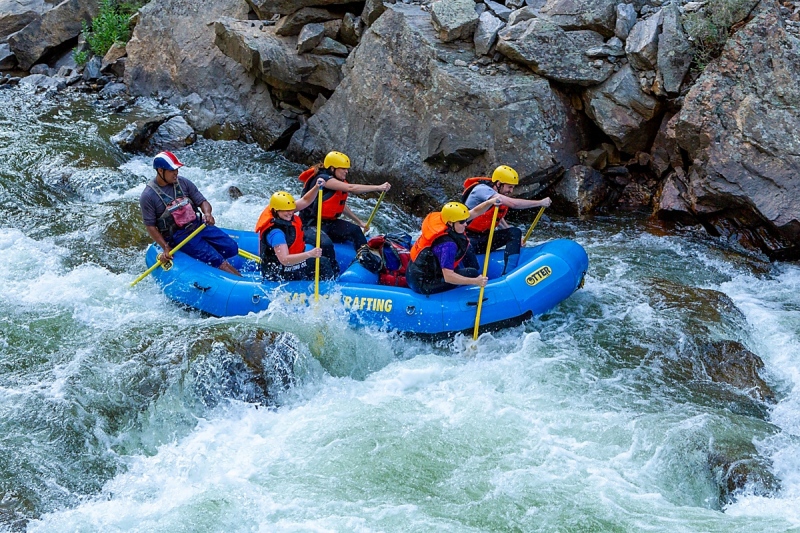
[(374, 210), (160, 262), (535, 221)]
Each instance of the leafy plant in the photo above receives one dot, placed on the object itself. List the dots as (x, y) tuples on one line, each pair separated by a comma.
[(710, 27), (111, 25), (80, 57)]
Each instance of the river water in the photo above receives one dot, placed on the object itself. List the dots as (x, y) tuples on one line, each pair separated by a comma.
[(579, 420)]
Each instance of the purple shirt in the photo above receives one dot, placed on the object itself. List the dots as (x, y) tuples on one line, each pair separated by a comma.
[(446, 254)]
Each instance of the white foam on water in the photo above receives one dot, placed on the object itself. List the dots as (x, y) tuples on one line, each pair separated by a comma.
[(431, 443)]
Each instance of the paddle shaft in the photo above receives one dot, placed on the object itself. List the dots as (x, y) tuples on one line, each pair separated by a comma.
[(374, 210), (485, 270), (535, 221), (319, 236), (160, 262), (248, 255)]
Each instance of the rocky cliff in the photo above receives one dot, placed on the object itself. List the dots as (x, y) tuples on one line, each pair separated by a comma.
[(684, 109)]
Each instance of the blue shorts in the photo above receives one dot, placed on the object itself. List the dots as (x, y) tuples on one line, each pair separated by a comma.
[(212, 245)]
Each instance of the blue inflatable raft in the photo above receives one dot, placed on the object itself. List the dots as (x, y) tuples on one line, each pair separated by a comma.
[(546, 275)]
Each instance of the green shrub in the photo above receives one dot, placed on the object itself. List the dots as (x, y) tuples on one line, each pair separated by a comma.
[(111, 25), (710, 28), (80, 57)]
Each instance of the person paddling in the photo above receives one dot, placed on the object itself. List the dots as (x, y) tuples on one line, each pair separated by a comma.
[(500, 185), (282, 240), (172, 208), (442, 257), (334, 171)]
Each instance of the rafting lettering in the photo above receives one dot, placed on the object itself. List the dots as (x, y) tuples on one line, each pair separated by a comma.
[(379, 305), (538, 276)]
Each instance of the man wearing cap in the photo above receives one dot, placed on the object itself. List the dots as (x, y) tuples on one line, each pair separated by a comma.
[(499, 186), (173, 207)]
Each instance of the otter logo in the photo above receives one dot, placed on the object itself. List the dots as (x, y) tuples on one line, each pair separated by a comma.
[(538, 276)]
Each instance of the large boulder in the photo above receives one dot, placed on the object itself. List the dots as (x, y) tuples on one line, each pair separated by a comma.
[(595, 15), (486, 34), (264, 9), (739, 125), (552, 52), (16, 14), (274, 59), (454, 19), (292, 24), (427, 115), (54, 28), (642, 44), (172, 55), (623, 111), (674, 50)]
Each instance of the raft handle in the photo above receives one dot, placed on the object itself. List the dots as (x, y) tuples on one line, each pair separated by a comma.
[(200, 287), (475, 303)]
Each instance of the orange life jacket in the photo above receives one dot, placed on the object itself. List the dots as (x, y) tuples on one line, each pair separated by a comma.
[(436, 231), (293, 232), (482, 223), (332, 201)]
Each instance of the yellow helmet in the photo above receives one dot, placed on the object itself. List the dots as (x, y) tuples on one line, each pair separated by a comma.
[(505, 174), (454, 212), (336, 160), (282, 201)]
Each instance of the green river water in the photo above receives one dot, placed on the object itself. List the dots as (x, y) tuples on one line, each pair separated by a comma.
[(584, 419)]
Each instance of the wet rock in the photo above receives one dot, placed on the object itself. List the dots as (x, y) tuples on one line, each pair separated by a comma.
[(42, 81), (173, 134), (234, 192), (428, 115), (583, 188), (91, 71), (594, 15), (552, 52), (136, 136), (641, 46), (54, 28), (113, 90), (454, 19), (292, 24), (41, 69), (211, 88), (738, 468), (730, 362), (486, 33), (254, 368), (626, 20), (623, 111)]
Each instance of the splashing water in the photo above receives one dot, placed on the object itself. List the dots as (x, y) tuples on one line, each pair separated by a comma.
[(582, 419)]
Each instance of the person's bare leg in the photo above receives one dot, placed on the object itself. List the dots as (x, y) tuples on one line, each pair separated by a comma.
[(227, 267)]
